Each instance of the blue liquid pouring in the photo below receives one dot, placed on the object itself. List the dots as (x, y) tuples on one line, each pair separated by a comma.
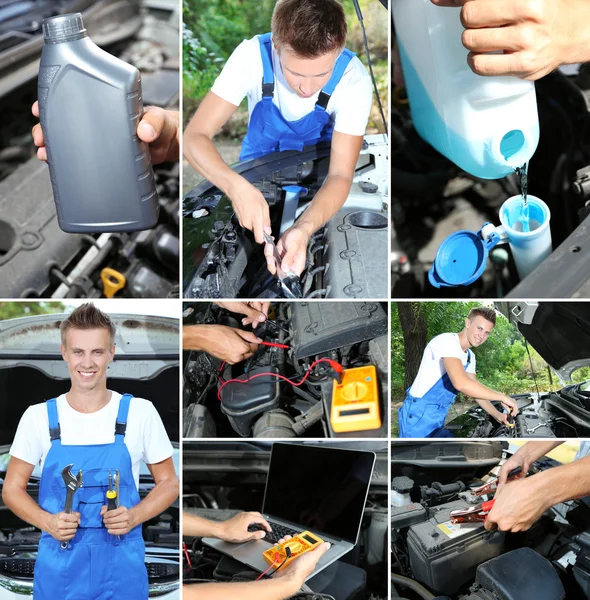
[(524, 215)]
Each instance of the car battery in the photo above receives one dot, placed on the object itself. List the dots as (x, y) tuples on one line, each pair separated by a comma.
[(409, 514), (444, 556)]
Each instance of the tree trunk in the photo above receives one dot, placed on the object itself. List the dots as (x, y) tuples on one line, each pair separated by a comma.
[(414, 331)]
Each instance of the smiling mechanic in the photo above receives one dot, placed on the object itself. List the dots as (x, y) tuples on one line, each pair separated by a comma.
[(447, 368), (303, 87), (283, 584), (520, 503), (100, 432)]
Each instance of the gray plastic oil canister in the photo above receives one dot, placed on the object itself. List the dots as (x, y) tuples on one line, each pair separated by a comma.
[(90, 104)]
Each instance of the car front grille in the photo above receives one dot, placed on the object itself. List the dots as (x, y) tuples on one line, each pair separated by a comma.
[(24, 567), (158, 570), (17, 567)]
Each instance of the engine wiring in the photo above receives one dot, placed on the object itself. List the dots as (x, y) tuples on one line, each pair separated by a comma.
[(337, 367)]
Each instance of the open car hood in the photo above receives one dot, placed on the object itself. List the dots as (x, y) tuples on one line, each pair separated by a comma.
[(558, 331), (32, 368), (35, 338)]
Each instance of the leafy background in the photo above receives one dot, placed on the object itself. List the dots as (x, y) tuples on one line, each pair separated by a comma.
[(502, 362), (13, 310)]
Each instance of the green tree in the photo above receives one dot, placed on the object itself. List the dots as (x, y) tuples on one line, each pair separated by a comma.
[(13, 310), (582, 374)]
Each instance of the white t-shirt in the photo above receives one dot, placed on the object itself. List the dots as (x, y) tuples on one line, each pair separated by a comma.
[(432, 368), (349, 105), (145, 436)]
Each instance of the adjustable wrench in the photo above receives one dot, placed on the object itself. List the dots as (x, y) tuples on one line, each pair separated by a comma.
[(72, 484)]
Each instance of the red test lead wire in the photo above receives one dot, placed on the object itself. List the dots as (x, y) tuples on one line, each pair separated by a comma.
[(337, 367), (188, 558), (276, 560), (275, 345)]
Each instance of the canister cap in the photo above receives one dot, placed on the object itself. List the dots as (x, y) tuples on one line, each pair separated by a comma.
[(461, 258), (402, 484), (63, 28)]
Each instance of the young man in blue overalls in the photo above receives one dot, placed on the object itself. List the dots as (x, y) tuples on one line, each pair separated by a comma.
[(303, 87), (447, 368), (90, 553)]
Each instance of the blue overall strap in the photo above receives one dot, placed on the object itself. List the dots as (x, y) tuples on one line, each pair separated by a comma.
[(121, 424), (341, 66), (268, 74), (54, 428), (468, 358)]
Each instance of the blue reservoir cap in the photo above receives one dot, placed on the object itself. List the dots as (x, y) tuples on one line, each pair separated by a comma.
[(461, 258)]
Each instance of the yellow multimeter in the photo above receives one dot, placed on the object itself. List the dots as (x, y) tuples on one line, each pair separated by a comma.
[(298, 545), (355, 401)]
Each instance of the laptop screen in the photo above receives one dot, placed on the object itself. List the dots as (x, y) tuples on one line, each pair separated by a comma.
[(320, 488)]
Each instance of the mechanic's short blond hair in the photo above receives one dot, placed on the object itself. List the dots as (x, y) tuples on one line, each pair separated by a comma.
[(87, 316), (489, 314), (309, 27)]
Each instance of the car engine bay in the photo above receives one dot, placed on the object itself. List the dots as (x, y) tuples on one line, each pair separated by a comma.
[(345, 259), (351, 334), (432, 556), (564, 413)]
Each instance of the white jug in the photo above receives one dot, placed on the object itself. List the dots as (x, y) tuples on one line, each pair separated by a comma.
[(486, 125)]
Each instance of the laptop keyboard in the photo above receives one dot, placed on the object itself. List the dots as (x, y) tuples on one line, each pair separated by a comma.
[(278, 532)]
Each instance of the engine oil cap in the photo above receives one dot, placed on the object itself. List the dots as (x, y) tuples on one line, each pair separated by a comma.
[(461, 258)]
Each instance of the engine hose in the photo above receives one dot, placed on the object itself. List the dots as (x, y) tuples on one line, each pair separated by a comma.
[(451, 488), (413, 585), (102, 255), (316, 293)]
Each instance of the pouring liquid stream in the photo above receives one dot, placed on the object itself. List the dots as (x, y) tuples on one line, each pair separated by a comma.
[(523, 222)]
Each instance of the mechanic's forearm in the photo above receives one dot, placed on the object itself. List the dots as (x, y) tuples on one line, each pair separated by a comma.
[(488, 407), (196, 337), (269, 589), (563, 483), (24, 507), (533, 451), (202, 155), (162, 495), (194, 526), (326, 203), (475, 389)]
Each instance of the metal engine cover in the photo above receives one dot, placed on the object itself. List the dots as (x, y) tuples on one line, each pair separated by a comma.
[(356, 255), (320, 327)]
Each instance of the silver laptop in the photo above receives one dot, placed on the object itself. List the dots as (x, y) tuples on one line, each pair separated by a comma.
[(310, 488)]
